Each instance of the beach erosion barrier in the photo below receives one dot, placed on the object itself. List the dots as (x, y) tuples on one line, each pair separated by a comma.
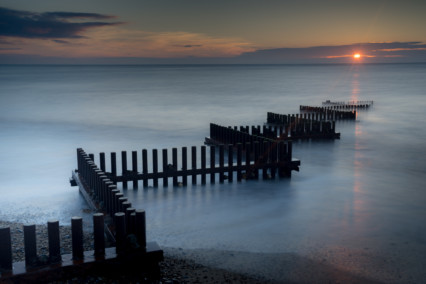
[(131, 251), (303, 126), (348, 105), (267, 157), (327, 113)]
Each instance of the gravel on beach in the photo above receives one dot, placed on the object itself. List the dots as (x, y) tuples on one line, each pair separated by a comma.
[(173, 270)]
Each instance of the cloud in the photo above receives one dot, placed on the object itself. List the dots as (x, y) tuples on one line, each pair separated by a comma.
[(61, 41), (50, 25)]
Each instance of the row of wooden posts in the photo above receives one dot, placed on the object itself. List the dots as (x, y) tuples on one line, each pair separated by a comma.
[(267, 156), (348, 105), (328, 113), (100, 187), (301, 127), (125, 225)]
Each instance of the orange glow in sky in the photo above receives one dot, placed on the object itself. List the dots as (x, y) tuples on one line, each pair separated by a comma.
[(357, 56)]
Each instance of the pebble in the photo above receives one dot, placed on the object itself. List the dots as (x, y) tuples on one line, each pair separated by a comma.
[(173, 270)]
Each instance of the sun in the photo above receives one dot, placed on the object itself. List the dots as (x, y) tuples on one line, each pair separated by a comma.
[(357, 56)]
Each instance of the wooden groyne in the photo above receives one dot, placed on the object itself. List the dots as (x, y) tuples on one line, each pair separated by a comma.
[(328, 113), (348, 105), (268, 157), (131, 251), (303, 126)]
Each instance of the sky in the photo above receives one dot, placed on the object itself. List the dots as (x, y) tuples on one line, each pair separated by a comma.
[(209, 32)]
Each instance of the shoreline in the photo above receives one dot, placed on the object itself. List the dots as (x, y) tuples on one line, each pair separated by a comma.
[(173, 269), (221, 266)]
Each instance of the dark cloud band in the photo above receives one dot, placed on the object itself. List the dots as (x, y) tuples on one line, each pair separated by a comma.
[(51, 25)]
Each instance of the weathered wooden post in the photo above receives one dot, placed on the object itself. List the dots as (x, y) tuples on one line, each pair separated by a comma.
[(121, 200), (140, 227), (5, 249), (212, 164), (120, 232), (99, 234), (230, 162), (203, 164), (135, 168), (248, 170), (184, 166), (155, 166), (221, 163), (130, 222), (117, 206), (194, 164), (175, 166), (77, 238), (102, 161), (257, 161), (30, 245), (114, 166), (239, 159), (145, 167), (165, 168), (124, 172), (54, 243)]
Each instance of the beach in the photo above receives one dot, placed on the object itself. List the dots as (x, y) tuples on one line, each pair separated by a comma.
[(215, 266)]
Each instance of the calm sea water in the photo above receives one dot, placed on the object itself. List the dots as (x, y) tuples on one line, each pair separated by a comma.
[(365, 192)]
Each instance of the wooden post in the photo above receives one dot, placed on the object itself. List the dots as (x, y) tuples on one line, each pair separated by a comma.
[(102, 161), (124, 168), (265, 156), (130, 222), (145, 167), (117, 206), (175, 166), (77, 237), (140, 228), (30, 245), (239, 159), (257, 162), (54, 243), (99, 234), (5, 249), (111, 189), (120, 232), (184, 166), (114, 165), (274, 158), (221, 163), (135, 168), (92, 157), (230, 162), (212, 164), (165, 168), (121, 201), (194, 163), (248, 170), (155, 166), (203, 164)]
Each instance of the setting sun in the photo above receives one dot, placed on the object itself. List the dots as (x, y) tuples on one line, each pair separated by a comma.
[(357, 55)]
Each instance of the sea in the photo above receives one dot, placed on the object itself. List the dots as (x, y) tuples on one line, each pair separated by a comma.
[(358, 203)]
